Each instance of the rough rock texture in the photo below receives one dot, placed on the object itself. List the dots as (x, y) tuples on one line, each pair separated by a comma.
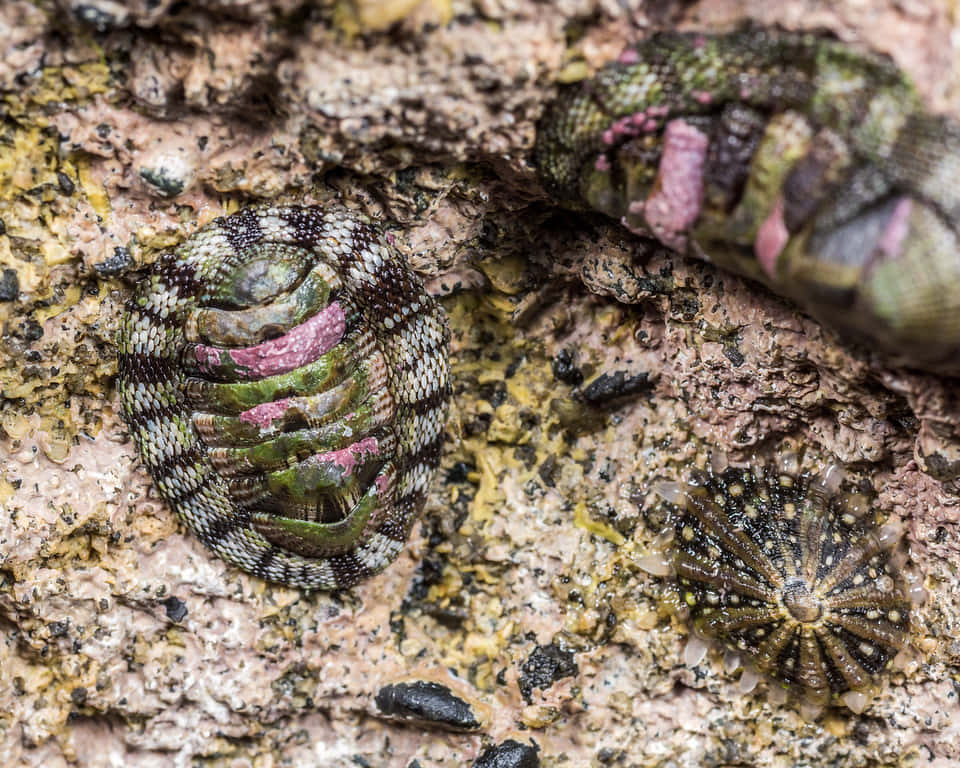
[(126, 126)]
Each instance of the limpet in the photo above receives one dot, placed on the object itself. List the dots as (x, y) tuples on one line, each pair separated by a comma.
[(790, 578)]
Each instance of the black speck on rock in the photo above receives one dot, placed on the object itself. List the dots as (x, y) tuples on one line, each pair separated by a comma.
[(610, 386), (734, 355), (565, 370), (427, 703), (176, 609), (459, 472), (32, 330), (58, 628), (544, 666), (509, 754), (65, 183), (9, 285), (115, 264)]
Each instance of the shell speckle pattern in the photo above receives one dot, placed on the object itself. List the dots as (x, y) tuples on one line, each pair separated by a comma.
[(795, 578), (285, 379)]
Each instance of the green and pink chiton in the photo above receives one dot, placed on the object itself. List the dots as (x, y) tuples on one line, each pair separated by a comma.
[(788, 158), (284, 376)]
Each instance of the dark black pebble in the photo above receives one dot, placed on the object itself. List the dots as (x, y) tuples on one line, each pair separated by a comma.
[(66, 183), (565, 370), (176, 609), (9, 285), (543, 667), (427, 703), (610, 386), (509, 754), (115, 264)]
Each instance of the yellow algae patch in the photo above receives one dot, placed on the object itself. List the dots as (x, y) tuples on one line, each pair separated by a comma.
[(359, 16), (95, 192), (521, 475), (506, 426), (61, 329), (507, 275), (6, 490), (489, 494), (150, 239), (71, 84), (582, 519), (71, 296)]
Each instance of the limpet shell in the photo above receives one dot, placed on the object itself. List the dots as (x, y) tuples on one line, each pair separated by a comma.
[(778, 569)]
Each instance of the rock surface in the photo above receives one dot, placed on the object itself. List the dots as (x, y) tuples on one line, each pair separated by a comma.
[(126, 126)]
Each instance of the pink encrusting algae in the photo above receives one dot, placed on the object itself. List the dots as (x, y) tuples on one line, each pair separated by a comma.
[(265, 414), (348, 458)]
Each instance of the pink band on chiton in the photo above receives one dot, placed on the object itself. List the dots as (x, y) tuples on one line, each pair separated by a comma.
[(674, 204), (207, 357), (265, 414), (300, 345), (772, 237), (897, 228)]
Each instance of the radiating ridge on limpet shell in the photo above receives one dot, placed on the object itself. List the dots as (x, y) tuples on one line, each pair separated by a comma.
[(777, 569), (284, 376)]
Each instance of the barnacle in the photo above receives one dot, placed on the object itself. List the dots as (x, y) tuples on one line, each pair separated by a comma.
[(798, 580), (284, 377)]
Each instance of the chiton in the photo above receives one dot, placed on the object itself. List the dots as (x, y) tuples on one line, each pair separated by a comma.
[(793, 576), (788, 158), (284, 376)]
